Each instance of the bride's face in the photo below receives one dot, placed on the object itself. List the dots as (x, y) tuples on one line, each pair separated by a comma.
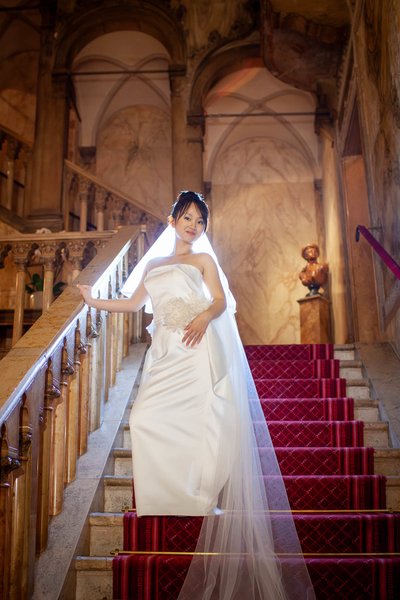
[(190, 225)]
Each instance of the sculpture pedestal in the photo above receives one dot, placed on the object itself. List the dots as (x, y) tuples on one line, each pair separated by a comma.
[(314, 320)]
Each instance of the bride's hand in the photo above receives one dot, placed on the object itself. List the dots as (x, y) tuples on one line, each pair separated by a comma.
[(195, 330), (86, 291)]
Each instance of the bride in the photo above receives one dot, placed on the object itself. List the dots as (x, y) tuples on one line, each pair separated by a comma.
[(197, 423)]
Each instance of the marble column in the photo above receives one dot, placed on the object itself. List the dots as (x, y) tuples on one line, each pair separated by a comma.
[(187, 140), (45, 201)]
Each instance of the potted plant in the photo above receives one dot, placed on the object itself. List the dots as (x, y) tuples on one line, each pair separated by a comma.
[(35, 290)]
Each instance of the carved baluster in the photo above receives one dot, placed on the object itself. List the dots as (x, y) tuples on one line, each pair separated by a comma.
[(94, 375), (73, 411), (48, 283), (20, 536), (58, 475), (46, 458), (67, 191), (19, 299), (100, 205), (8, 463), (127, 317), (12, 152), (83, 201), (75, 251), (119, 322), (138, 316), (83, 413)]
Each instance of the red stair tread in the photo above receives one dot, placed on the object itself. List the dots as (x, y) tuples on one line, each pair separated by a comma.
[(308, 409), (290, 369)]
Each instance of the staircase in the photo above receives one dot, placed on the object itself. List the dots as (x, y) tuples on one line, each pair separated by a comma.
[(324, 426)]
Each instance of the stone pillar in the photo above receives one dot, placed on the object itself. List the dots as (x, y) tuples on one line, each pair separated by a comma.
[(195, 149), (19, 300), (45, 201)]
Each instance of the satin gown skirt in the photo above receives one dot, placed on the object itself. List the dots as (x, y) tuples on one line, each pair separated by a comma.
[(180, 420)]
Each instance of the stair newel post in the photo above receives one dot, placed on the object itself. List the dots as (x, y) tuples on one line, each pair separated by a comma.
[(19, 299), (20, 534), (83, 393), (46, 456), (8, 463), (138, 316), (73, 412)]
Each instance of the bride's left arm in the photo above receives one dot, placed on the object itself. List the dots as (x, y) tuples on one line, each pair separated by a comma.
[(195, 330)]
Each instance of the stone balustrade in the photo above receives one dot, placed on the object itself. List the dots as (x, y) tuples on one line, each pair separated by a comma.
[(91, 204), (54, 386)]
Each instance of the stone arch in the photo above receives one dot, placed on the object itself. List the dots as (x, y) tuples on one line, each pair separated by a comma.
[(147, 18), (220, 64)]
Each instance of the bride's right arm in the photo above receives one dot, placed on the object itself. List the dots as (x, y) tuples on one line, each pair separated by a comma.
[(132, 304)]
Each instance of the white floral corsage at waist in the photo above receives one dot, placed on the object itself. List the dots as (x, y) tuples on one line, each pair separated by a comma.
[(176, 313)]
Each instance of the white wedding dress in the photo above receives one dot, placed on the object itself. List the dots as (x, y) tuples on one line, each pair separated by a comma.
[(195, 450), (182, 416)]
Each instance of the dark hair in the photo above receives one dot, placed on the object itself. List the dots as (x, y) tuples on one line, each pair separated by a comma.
[(184, 200)]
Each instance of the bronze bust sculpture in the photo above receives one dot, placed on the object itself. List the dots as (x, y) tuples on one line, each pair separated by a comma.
[(314, 274)]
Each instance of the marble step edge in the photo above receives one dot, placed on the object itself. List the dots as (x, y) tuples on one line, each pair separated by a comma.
[(367, 424), (379, 453), (127, 481), (93, 563)]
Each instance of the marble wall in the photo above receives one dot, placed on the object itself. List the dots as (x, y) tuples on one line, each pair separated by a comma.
[(263, 213), (19, 55), (377, 52), (134, 155)]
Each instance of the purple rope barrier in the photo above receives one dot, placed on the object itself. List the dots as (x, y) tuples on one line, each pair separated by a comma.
[(379, 249)]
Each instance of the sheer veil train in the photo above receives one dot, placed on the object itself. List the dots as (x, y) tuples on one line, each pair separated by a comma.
[(248, 548)]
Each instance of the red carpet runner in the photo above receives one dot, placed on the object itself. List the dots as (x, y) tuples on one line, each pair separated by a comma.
[(345, 533)]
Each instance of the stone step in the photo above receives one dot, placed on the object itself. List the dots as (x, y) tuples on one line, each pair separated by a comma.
[(351, 369), (358, 389), (376, 433), (344, 352), (93, 578), (118, 493), (366, 410), (386, 462), (106, 533)]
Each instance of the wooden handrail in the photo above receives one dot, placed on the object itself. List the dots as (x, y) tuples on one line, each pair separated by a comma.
[(54, 385)]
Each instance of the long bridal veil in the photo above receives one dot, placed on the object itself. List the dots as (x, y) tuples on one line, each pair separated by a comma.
[(248, 548)]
